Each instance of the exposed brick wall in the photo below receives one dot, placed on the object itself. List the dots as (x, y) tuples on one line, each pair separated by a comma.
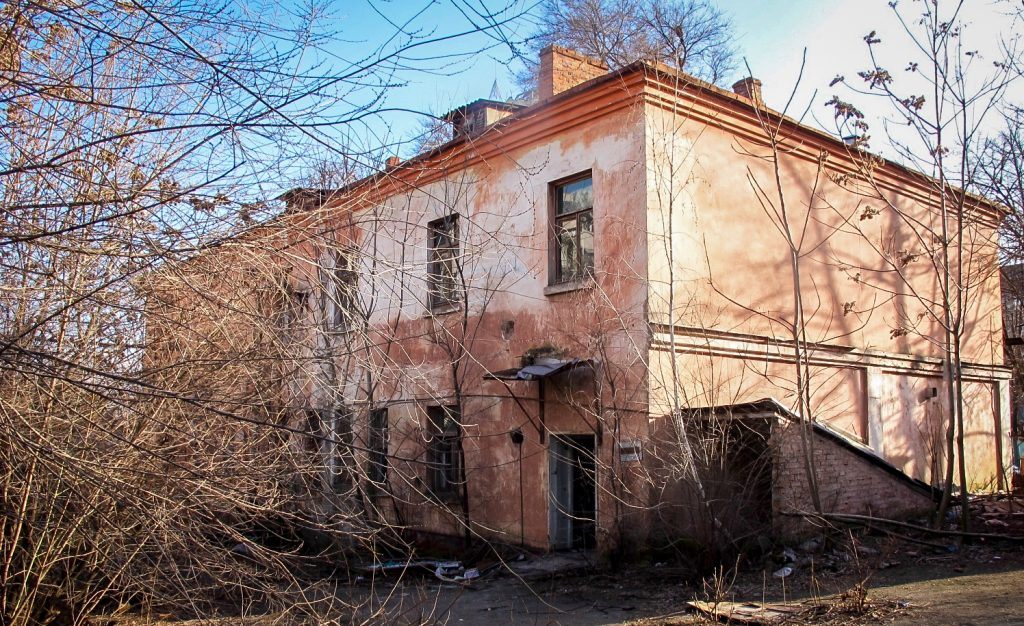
[(562, 69), (847, 483)]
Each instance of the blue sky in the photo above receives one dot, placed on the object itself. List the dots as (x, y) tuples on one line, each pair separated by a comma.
[(450, 65), (768, 35)]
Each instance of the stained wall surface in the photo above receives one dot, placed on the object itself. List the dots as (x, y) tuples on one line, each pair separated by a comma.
[(748, 243), (691, 304), (409, 356)]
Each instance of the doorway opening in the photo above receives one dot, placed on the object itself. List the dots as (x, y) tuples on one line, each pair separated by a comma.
[(572, 492)]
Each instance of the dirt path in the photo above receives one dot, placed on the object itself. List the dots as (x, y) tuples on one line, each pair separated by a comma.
[(970, 598)]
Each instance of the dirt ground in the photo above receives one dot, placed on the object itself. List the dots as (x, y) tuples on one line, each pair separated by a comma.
[(906, 585), (976, 585), (896, 575)]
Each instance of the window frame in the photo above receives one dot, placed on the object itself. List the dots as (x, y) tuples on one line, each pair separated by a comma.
[(343, 448), (442, 262), (314, 432), (444, 451), (377, 447), (558, 275), (345, 291), (296, 303)]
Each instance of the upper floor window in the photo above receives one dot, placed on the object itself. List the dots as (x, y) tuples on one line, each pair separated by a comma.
[(444, 454), (442, 269), (346, 286), (296, 301), (574, 229)]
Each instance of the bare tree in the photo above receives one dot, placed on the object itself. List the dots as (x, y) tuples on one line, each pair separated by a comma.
[(942, 100), (148, 456), (1001, 177), (692, 35)]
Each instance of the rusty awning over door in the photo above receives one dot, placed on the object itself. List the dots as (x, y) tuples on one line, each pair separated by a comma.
[(538, 371)]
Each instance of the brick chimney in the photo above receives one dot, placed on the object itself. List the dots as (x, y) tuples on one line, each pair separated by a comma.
[(562, 69), (392, 161), (473, 118), (749, 88)]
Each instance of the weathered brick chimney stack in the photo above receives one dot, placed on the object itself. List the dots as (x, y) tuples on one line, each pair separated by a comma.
[(562, 69), (749, 87)]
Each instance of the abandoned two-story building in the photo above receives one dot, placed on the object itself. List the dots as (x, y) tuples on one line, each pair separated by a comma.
[(639, 311)]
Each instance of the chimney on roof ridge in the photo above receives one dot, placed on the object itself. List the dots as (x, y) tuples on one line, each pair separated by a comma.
[(749, 88), (393, 161), (562, 69), (472, 119)]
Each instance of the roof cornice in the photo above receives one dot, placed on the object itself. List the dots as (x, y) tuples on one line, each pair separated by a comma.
[(652, 84)]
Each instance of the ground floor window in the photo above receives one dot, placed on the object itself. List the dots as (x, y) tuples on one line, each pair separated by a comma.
[(343, 458), (444, 452), (377, 469)]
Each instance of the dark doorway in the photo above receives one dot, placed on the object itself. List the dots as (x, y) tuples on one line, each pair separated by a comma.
[(572, 492)]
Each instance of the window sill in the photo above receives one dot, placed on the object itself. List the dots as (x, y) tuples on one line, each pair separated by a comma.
[(446, 497), (569, 285), (443, 309)]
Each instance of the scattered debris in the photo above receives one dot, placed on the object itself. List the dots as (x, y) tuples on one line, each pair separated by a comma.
[(749, 613), (998, 513), (448, 571), (782, 573), (554, 564)]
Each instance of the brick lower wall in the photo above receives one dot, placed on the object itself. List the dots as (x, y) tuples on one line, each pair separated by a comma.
[(847, 483)]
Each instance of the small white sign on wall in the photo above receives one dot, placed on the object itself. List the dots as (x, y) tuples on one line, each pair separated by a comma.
[(630, 451)]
